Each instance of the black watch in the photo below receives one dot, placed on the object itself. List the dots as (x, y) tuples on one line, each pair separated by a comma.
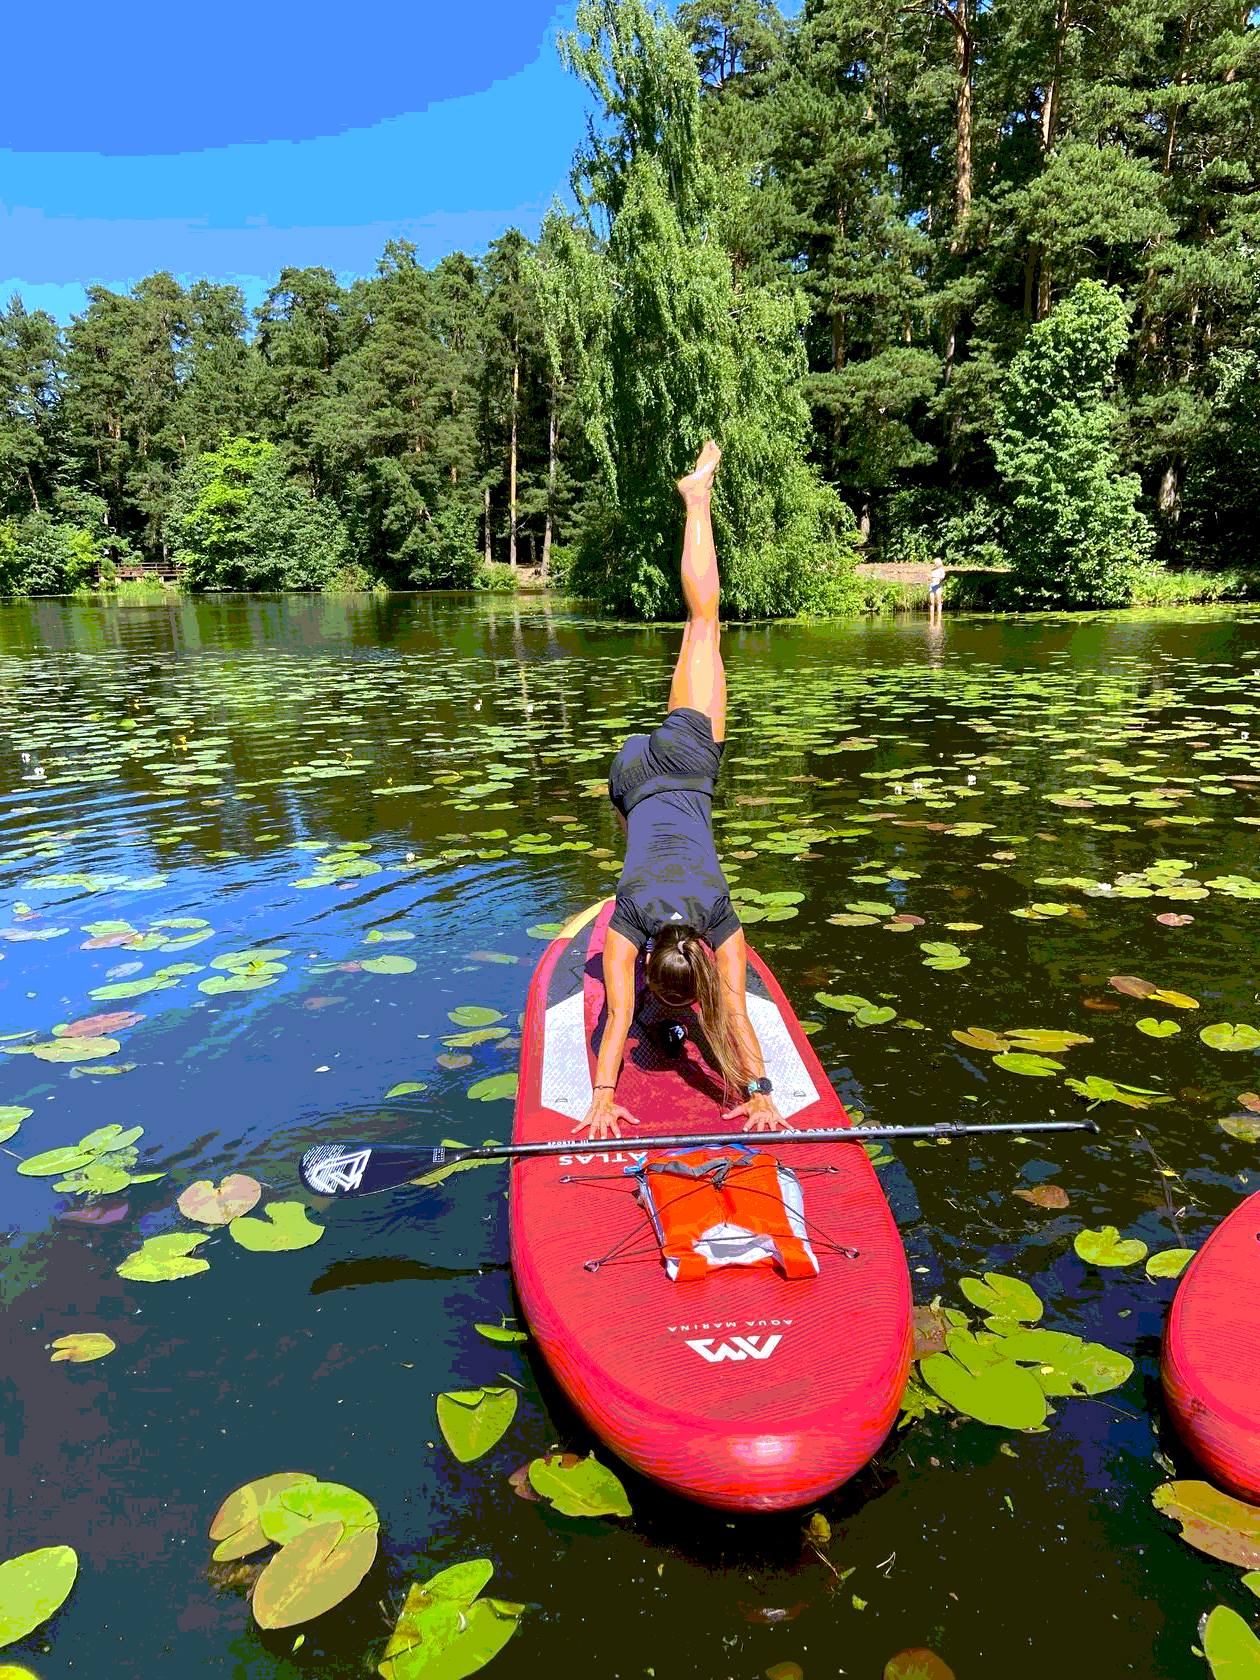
[(758, 1087)]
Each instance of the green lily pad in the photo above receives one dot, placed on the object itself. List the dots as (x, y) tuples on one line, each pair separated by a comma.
[(874, 1017), (286, 1226), (1066, 1364), (111, 1138), (980, 1038), (130, 988), (1003, 1394), (1096, 1090), (1225, 1035), (500, 1333), (290, 1510), (474, 1015), (1243, 1126), (479, 1035), (1212, 1521), (1044, 1040), (472, 1420), (237, 1524), (406, 1089), (32, 1587), (388, 965), (848, 1002), (76, 1049), (1004, 1297), (11, 1117), (1157, 1029), (445, 1631), (55, 1161), (1169, 1262), (1023, 1061), (1108, 1248), (545, 930), (585, 1489), (80, 1349), (165, 1257), (315, 1570), (843, 918), (1231, 1648), (490, 1090)]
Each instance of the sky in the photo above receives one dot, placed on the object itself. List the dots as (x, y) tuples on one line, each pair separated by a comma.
[(166, 140)]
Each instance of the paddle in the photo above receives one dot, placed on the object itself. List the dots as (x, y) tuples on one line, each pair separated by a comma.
[(364, 1169)]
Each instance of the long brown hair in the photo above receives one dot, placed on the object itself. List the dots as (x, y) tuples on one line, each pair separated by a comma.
[(681, 970)]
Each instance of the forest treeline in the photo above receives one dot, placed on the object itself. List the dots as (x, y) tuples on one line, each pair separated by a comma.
[(976, 278)]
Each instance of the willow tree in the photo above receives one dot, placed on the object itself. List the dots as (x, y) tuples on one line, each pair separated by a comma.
[(666, 346)]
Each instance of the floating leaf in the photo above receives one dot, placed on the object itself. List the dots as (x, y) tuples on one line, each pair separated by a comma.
[(1171, 920), (234, 1197), (1131, 986), (11, 1118), (1176, 1000), (1044, 1196), (872, 1016), (1107, 1248), (980, 1038), (585, 1489), (286, 1226), (1045, 1040), (130, 988), (1067, 1365), (1212, 1521), (32, 1587), (490, 1090), (1246, 1127), (1169, 1262), (1223, 1035), (237, 1524), (844, 918), (1004, 1297), (97, 1026), (1249, 1100), (1231, 1648), (479, 1035), (312, 1572), (917, 1664), (1096, 1090), (1157, 1029), (500, 1333), (388, 965), (55, 1161), (848, 1002), (165, 1257), (1003, 1394), (76, 1049), (81, 1348), (1022, 1061), (474, 1015), (544, 930), (472, 1420), (930, 1330), (406, 1088), (445, 1631)]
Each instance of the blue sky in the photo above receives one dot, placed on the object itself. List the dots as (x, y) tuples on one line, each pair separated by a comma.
[(168, 141)]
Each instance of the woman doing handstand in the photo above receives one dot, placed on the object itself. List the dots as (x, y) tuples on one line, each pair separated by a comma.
[(672, 896)]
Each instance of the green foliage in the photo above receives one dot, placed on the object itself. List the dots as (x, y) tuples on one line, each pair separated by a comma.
[(247, 524), (40, 556), (671, 347), (1073, 526)]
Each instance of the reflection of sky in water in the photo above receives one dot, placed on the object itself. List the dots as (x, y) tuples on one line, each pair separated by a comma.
[(189, 754)]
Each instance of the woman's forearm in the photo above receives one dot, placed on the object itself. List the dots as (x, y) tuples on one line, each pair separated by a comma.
[(612, 1047), (749, 1047)]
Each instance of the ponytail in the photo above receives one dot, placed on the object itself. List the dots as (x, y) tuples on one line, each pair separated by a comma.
[(680, 971)]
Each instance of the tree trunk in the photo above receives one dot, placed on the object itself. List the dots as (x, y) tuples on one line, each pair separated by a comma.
[(962, 59), (551, 482), (1170, 491), (486, 494), (1050, 104), (516, 385), (31, 482)]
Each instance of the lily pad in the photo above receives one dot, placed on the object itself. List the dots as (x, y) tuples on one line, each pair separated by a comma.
[(166, 1257), (81, 1348), (585, 1489), (1131, 986), (1243, 1126), (1231, 1648), (445, 1631), (130, 988), (286, 1226), (1003, 1394), (1107, 1248), (1023, 1061), (479, 1035), (980, 1038), (490, 1090), (1225, 1035), (1004, 1297), (237, 1524), (32, 1587), (11, 1117), (544, 930), (848, 1002), (1212, 1521), (1176, 1000), (1097, 1090), (873, 1016), (1044, 1040), (97, 1026), (1044, 1196), (208, 1206), (1066, 1364), (1169, 1262), (917, 1663), (53, 1162), (1157, 1029), (76, 1049), (388, 965), (472, 1420), (474, 1015), (500, 1333)]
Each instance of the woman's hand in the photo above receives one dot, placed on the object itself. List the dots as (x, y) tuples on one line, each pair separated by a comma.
[(763, 1115), (603, 1117)]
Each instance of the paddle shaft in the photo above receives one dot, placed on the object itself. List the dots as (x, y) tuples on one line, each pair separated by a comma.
[(705, 1140)]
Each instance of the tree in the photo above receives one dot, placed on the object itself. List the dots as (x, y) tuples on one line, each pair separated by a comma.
[(670, 348), (31, 373), (1073, 526)]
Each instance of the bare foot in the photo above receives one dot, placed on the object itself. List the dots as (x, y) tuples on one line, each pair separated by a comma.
[(699, 481)]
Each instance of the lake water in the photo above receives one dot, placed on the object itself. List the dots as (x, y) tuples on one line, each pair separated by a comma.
[(307, 775)]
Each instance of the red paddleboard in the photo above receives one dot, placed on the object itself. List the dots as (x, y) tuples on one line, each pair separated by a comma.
[(740, 1389), (1210, 1362)]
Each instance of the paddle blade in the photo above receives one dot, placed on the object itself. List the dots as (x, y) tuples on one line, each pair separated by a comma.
[(359, 1169)]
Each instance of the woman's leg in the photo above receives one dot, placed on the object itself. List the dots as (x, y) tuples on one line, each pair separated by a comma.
[(699, 676)]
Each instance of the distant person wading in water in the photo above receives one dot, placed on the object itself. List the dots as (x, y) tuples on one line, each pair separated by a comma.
[(936, 585), (672, 896)]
